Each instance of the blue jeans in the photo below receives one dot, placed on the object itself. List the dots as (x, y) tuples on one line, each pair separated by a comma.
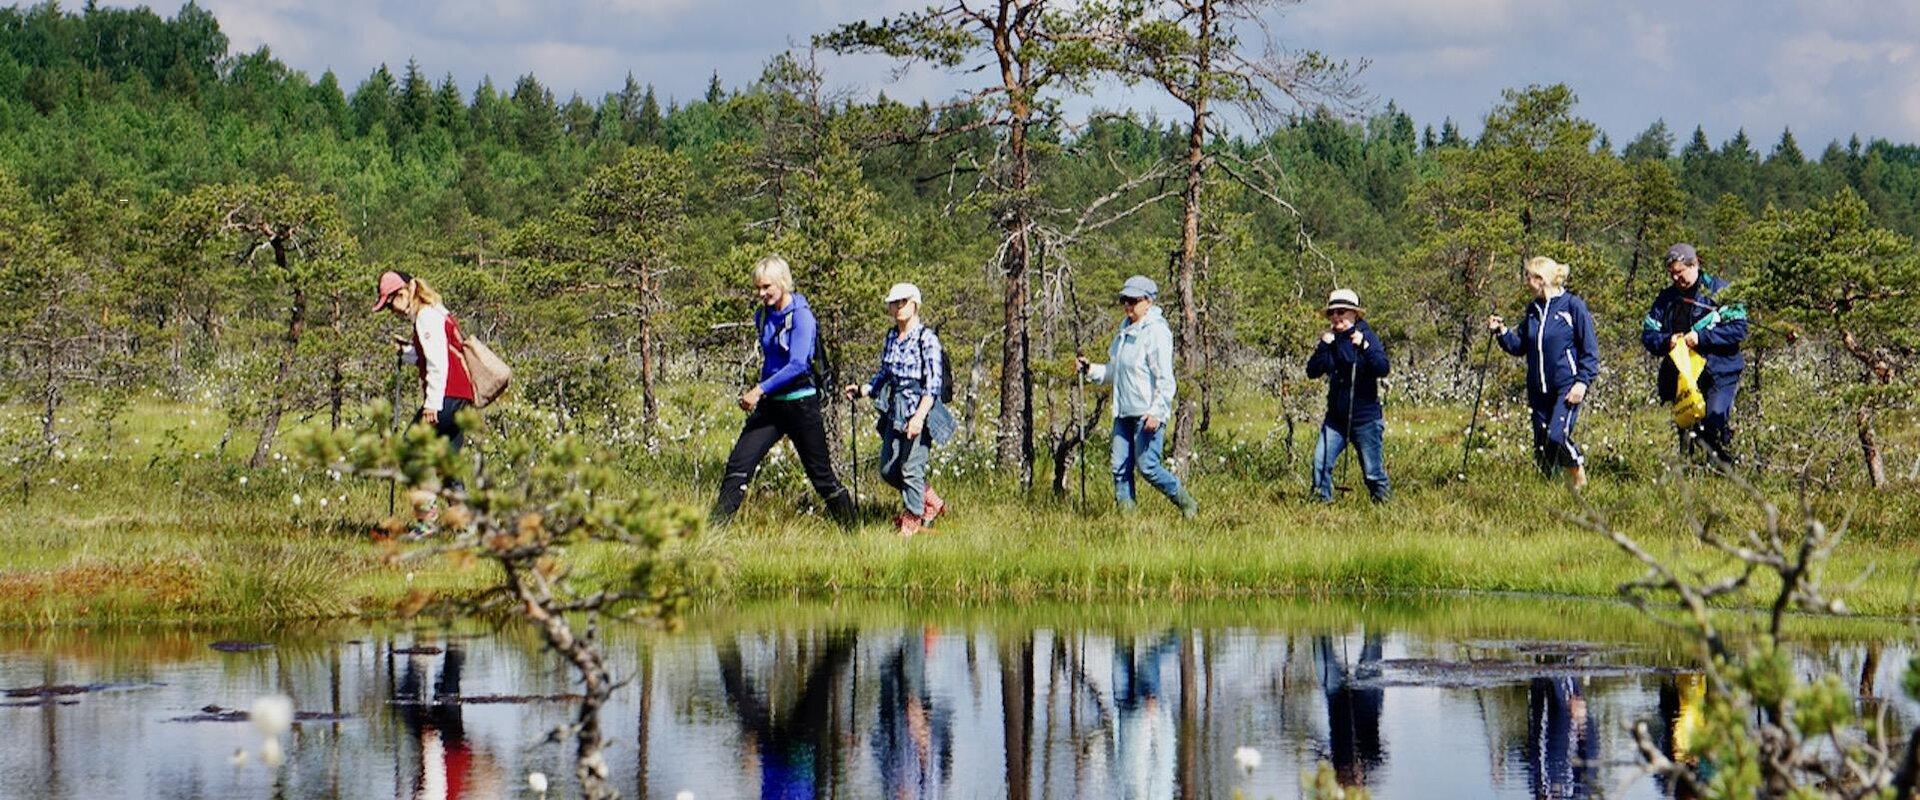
[(1368, 439), (1135, 448), (903, 465)]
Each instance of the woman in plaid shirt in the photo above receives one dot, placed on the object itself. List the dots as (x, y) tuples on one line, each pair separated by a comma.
[(906, 390)]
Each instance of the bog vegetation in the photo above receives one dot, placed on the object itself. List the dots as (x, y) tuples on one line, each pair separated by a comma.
[(188, 237)]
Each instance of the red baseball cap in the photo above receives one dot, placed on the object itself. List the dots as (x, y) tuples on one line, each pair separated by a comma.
[(391, 283)]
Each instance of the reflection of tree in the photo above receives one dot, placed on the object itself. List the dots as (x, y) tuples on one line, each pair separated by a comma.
[(798, 749), (1353, 711), (1016, 714), (1562, 740), (913, 741)]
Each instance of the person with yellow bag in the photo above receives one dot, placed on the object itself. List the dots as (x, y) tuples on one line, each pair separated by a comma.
[(1697, 339)]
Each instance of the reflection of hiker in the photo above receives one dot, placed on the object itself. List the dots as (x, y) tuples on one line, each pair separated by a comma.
[(436, 349), (1353, 360), (1145, 740), (798, 751), (1563, 744), (1686, 313), (912, 740), (449, 766), (1683, 700), (1562, 348), (786, 401), (1353, 712), (1140, 369), (906, 389)]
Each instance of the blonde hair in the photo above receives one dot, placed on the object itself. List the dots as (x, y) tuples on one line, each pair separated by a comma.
[(1553, 271), (420, 295), (775, 269)]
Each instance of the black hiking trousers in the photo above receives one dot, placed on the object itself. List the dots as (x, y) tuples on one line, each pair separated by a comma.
[(797, 420)]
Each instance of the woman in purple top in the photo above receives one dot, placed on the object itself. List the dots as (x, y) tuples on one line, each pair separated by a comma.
[(786, 401)]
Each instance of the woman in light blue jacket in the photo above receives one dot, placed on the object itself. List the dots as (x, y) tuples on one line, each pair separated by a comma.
[(1140, 370)]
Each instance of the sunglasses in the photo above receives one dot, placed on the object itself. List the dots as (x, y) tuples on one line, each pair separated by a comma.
[(1128, 301)]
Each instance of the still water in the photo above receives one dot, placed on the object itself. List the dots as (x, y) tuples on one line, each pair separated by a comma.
[(1413, 698)]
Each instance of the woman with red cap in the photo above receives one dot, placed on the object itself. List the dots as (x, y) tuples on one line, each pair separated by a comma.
[(436, 350)]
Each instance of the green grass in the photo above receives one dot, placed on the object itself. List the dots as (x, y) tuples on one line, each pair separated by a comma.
[(147, 532)]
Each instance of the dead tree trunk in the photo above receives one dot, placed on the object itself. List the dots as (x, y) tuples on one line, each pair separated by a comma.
[(277, 393), (336, 373), (649, 405), (1185, 259), (1015, 446)]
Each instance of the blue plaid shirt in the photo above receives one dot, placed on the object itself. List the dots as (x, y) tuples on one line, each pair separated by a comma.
[(912, 361)]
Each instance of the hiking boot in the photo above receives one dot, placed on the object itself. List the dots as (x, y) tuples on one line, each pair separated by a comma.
[(908, 525), (1189, 507), (932, 508), (1576, 478), (420, 529)]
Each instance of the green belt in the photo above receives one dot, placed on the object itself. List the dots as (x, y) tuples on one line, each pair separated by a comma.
[(797, 394)]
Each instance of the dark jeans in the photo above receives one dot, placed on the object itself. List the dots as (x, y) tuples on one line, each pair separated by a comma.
[(797, 420), (446, 424)]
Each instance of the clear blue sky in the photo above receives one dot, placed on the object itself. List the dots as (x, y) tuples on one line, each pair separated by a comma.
[(1827, 68)]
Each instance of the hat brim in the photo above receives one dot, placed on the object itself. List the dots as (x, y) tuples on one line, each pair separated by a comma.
[(1332, 307), (385, 300)]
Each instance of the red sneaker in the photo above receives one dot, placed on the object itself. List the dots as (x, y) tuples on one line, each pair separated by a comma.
[(932, 508), (908, 525)]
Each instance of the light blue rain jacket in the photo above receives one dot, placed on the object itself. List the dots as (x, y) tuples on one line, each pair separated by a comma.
[(1140, 368)]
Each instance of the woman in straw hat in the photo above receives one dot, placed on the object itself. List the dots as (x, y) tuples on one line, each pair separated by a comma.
[(1352, 359)]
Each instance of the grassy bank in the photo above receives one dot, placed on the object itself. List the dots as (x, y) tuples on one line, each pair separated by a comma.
[(158, 525)]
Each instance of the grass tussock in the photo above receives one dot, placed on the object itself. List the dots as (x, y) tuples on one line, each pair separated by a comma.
[(154, 533)]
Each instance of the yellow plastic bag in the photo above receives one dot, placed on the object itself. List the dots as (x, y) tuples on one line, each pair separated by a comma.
[(1689, 405)]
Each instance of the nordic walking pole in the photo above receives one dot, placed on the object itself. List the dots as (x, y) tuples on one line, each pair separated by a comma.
[(1079, 393), (399, 364), (853, 451), (1479, 384)]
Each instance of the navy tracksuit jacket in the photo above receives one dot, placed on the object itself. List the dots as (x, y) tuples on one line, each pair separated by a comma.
[(1721, 328), (1562, 348)]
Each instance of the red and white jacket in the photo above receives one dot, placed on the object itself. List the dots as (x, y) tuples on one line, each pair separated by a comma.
[(443, 366)]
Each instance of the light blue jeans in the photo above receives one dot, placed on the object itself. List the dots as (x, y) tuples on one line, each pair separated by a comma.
[(1135, 448), (903, 465), (1367, 444)]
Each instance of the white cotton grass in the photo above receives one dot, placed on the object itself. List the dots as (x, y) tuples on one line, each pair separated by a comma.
[(272, 715), (1248, 759), (537, 781), (685, 794)]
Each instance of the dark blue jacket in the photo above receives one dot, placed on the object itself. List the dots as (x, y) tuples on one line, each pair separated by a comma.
[(787, 339), (1353, 374), (1562, 348), (1721, 327)]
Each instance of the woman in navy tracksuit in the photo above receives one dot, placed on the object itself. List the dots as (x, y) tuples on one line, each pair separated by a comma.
[(1563, 358)]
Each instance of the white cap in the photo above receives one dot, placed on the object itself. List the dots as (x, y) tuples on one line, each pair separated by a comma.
[(903, 291)]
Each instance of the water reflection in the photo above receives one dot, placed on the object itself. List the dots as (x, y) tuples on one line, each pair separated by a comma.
[(894, 708), (1353, 709)]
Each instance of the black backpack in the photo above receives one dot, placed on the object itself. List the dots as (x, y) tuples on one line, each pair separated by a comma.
[(816, 374)]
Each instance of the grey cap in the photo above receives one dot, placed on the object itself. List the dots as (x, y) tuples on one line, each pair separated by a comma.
[(1140, 286), (1682, 252)]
